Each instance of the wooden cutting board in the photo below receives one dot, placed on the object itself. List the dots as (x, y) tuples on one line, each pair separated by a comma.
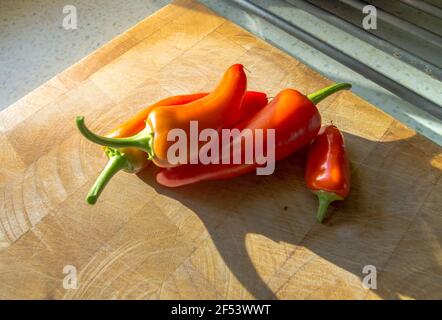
[(251, 237)]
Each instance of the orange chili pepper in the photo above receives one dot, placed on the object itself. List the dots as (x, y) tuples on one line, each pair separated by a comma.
[(138, 122), (219, 109), (327, 173), (133, 160)]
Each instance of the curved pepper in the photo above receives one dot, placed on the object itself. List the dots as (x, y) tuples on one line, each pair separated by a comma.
[(219, 109), (138, 122), (131, 160), (327, 173), (134, 160), (296, 121)]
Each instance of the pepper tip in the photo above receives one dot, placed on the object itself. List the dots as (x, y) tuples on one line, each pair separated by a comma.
[(347, 85), (79, 120), (320, 218), (91, 199)]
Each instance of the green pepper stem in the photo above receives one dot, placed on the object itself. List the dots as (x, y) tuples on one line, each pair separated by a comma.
[(116, 163), (142, 140), (325, 198), (320, 95)]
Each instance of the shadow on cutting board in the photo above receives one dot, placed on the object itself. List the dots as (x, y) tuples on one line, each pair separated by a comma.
[(390, 220)]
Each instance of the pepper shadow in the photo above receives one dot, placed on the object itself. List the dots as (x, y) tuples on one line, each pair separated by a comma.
[(390, 220)]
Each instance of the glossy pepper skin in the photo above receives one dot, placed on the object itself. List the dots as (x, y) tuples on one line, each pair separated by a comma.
[(138, 160), (217, 110), (327, 173), (253, 101), (134, 160), (296, 121), (138, 122), (130, 159)]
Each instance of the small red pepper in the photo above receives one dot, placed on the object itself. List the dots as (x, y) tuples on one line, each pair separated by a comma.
[(327, 173), (296, 121)]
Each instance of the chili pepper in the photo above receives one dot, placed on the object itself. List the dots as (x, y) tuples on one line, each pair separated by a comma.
[(131, 160), (138, 122), (134, 160), (219, 109), (253, 101), (327, 173), (296, 122)]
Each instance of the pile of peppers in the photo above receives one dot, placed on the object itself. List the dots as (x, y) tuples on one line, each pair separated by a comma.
[(296, 121)]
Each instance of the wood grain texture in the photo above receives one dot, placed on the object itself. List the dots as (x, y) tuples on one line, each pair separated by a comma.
[(252, 237)]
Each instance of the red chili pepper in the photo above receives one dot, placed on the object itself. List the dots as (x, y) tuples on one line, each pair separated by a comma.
[(327, 173), (296, 121), (134, 160)]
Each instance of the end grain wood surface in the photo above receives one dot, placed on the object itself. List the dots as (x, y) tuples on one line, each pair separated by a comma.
[(250, 237)]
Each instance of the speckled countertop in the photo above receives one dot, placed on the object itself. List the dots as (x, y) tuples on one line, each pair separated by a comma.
[(34, 47)]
